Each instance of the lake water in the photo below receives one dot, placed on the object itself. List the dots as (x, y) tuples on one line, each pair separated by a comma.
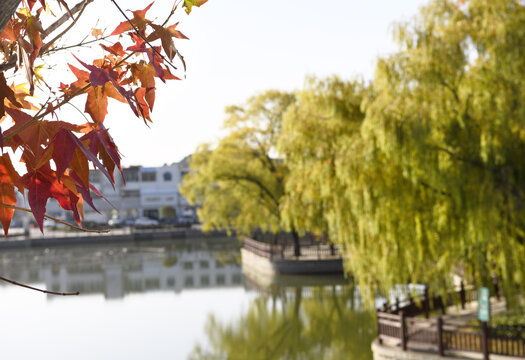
[(179, 299)]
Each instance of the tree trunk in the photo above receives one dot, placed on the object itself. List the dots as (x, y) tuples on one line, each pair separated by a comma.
[(296, 243), (7, 9)]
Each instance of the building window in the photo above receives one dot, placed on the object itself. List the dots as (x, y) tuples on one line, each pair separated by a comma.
[(188, 281), (205, 280), (151, 213), (220, 280), (131, 174), (167, 176), (149, 176), (187, 265), (152, 284), (130, 193), (153, 199)]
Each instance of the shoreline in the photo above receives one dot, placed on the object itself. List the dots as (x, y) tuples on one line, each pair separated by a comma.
[(121, 235)]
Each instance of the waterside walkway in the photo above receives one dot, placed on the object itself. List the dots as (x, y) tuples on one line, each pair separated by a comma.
[(404, 333)]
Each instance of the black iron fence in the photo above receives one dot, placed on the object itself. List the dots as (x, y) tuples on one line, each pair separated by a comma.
[(284, 248), (398, 322)]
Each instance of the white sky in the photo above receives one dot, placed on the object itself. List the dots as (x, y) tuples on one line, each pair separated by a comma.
[(239, 48)]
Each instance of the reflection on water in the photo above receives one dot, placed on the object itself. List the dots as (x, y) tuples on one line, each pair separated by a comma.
[(119, 270), (294, 322), (178, 299)]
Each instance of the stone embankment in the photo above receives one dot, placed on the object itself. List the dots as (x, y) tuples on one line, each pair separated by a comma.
[(121, 235)]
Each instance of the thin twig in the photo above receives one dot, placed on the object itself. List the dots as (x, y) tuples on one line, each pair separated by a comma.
[(77, 45), (37, 289), (48, 44), (51, 28), (175, 6), (39, 115), (142, 36), (55, 219)]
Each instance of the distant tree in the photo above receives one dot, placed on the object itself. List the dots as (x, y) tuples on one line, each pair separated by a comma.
[(239, 183), (168, 212)]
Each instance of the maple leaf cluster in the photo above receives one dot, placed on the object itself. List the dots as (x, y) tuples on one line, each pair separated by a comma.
[(57, 154)]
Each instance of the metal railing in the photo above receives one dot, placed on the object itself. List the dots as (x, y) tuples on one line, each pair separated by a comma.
[(398, 322), (284, 249)]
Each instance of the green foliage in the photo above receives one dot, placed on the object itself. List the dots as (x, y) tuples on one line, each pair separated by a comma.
[(418, 176), (168, 212), (515, 317), (430, 184), (325, 116), (239, 183), (323, 326)]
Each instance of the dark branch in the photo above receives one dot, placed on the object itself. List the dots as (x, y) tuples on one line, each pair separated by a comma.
[(142, 36), (7, 9), (37, 289), (78, 7), (83, 5), (252, 180)]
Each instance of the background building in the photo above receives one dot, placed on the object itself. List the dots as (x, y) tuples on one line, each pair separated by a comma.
[(143, 192)]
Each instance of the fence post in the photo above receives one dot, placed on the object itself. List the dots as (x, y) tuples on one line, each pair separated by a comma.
[(379, 339), (440, 336), (402, 332), (485, 340), (496, 287), (426, 303), (462, 295), (442, 305)]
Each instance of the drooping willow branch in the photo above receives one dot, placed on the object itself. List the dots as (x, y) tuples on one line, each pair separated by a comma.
[(55, 219), (37, 289)]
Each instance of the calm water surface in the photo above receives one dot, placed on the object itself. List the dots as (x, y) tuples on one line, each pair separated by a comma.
[(180, 299)]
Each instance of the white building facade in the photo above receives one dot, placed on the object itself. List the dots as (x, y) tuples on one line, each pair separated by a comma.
[(143, 192)]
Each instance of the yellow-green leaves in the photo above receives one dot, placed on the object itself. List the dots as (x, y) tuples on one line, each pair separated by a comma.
[(239, 182), (188, 4)]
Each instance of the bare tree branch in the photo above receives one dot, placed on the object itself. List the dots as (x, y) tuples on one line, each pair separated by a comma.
[(64, 18), (11, 63), (83, 5), (142, 36), (37, 289), (7, 9)]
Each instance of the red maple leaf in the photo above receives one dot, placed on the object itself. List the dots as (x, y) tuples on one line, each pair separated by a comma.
[(166, 35), (6, 93), (8, 177), (139, 20), (39, 191)]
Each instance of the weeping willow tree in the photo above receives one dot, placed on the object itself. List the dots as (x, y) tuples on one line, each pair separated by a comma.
[(238, 184), (429, 183), (325, 116), (438, 186)]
